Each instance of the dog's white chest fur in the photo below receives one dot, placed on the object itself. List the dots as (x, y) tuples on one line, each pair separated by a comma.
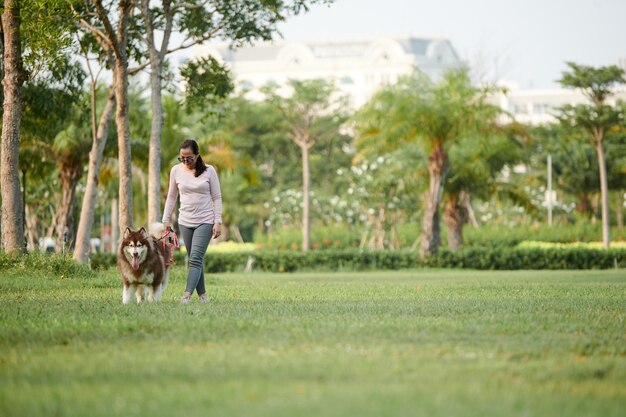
[(142, 266)]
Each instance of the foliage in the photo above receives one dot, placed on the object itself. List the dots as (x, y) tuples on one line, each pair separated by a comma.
[(596, 119), (206, 82), (36, 262), (46, 28), (335, 236), (244, 145), (238, 22), (372, 198), (493, 234), (500, 235), (418, 111), (531, 244), (433, 118), (596, 83), (469, 258), (102, 261)]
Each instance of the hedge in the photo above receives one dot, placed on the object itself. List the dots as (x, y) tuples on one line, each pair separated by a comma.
[(355, 260)]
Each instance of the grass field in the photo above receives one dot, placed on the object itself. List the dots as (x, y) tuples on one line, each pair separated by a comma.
[(410, 343)]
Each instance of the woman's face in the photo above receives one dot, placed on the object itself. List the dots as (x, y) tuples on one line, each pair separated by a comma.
[(187, 157)]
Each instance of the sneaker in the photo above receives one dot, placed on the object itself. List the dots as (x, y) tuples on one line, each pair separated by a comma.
[(203, 298), (185, 299)]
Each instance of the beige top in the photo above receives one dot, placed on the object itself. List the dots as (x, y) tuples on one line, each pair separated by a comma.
[(200, 197)]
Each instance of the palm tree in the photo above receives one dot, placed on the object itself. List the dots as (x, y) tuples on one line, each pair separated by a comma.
[(476, 166), (432, 117), (71, 149), (595, 119)]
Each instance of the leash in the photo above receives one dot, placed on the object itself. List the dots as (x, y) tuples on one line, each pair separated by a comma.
[(174, 244)]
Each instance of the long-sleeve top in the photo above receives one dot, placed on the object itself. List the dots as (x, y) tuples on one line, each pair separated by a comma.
[(200, 197)]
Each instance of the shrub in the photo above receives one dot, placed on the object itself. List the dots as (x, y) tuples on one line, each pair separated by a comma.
[(472, 258), (109, 260), (505, 258), (499, 236), (46, 262), (495, 236)]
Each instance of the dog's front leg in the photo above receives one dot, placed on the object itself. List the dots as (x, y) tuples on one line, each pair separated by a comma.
[(158, 292), (153, 294), (127, 294), (139, 293)]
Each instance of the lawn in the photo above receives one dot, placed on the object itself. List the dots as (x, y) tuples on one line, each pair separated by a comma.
[(409, 343)]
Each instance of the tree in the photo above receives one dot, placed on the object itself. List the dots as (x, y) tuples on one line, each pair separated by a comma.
[(14, 77), (99, 134), (198, 21), (432, 117), (383, 188), (310, 113), (34, 33), (596, 118), (49, 105), (112, 33), (476, 165), (574, 163)]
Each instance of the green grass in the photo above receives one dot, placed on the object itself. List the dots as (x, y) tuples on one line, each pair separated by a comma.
[(410, 343)]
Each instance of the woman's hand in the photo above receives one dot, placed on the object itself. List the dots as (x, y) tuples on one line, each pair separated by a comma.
[(217, 230)]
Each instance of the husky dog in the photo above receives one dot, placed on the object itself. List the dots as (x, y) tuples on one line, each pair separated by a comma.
[(143, 262)]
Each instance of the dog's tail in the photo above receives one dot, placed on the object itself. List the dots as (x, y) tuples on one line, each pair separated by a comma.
[(169, 241), (157, 230)]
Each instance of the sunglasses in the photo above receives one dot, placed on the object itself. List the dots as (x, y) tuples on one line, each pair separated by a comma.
[(186, 160)]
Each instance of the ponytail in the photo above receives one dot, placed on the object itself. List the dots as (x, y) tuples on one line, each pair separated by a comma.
[(200, 167)]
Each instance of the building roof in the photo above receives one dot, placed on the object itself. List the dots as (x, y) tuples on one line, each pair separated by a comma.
[(324, 49)]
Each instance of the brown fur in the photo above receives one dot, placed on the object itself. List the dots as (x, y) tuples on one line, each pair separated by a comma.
[(152, 259)]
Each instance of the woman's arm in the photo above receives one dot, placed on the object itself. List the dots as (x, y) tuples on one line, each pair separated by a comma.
[(216, 197)]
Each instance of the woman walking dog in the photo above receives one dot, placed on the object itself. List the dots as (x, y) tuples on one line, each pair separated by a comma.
[(200, 212)]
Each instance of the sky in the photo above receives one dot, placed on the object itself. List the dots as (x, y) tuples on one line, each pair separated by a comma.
[(524, 42)]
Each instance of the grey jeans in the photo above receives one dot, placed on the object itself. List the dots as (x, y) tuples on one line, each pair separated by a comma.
[(196, 241)]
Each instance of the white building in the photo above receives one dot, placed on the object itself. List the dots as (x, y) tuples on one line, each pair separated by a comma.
[(538, 107), (358, 68)]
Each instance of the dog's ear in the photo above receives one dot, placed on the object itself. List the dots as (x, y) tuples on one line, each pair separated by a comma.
[(143, 232), (126, 232)]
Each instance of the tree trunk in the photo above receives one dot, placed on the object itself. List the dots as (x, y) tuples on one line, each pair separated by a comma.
[(604, 192), (117, 40), (14, 77), (154, 156), (237, 233), (63, 223), (85, 224), (156, 70), (619, 210), (454, 217), (114, 226), (32, 224), (377, 241), (467, 205), (123, 141), (306, 185), (584, 205), (437, 167)]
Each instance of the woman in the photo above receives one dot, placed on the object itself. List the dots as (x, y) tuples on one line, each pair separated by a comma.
[(200, 212)]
